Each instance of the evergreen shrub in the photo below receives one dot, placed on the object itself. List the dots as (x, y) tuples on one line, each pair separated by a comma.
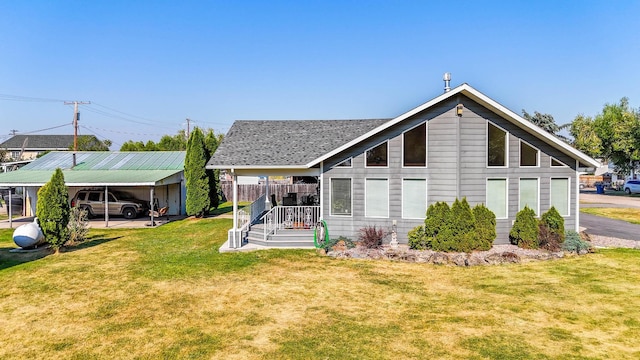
[(52, 210), (574, 243), (485, 227), (524, 232), (458, 231), (554, 222)]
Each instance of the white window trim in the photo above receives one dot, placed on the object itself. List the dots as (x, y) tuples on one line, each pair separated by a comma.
[(331, 196), (388, 157), (537, 211), (551, 158), (568, 194), (426, 199), (506, 198), (520, 155), (365, 198), (426, 148), (344, 166), (506, 144)]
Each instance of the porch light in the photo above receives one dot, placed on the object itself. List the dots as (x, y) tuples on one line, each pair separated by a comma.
[(459, 109)]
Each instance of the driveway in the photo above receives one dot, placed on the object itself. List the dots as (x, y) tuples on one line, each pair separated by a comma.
[(598, 225)]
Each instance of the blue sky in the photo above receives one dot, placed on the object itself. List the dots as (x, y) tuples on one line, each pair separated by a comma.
[(146, 66)]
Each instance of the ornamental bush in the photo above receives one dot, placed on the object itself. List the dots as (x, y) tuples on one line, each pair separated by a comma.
[(458, 232), (455, 229), (524, 232), (574, 243), (485, 227), (52, 211), (371, 237), (554, 222)]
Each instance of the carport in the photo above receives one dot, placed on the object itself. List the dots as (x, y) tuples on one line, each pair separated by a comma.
[(149, 176)]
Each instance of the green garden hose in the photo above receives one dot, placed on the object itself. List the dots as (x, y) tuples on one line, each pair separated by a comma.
[(326, 234)]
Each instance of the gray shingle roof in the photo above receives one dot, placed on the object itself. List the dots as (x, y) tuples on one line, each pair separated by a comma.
[(40, 142), (286, 142)]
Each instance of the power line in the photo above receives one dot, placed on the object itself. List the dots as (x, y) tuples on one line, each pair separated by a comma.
[(120, 132), (51, 128), (8, 97)]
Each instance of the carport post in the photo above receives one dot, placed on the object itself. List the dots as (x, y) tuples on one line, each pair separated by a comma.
[(106, 206), (151, 205), (10, 210)]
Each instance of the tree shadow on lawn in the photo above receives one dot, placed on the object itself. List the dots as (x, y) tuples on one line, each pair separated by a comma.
[(12, 256)]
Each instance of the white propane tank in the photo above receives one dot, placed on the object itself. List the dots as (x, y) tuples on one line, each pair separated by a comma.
[(28, 235)]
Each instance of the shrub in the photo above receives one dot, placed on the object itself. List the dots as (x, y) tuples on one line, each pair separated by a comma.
[(371, 237), (554, 222), (458, 231), (78, 225), (52, 210), (437, 217), (418, 240), (574, 243), (333, 242), (547, 238), (485, 227), (524, 232)]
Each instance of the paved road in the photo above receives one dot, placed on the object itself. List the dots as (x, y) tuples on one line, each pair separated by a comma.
[(599, 225)]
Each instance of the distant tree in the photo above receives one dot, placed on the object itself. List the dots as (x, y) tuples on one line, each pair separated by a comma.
[(177, 142), (585, 138), (91, 143), (211, 142), (198, 202), (545, 121), (618, 128), (52, 210), (131, 145), (4, 155)]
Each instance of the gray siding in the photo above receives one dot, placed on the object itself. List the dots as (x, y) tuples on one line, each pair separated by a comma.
[(456, 167)]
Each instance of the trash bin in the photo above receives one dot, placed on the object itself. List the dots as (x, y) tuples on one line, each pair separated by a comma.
[(599, 189)]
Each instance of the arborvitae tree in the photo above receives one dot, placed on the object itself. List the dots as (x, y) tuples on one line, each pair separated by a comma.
[(437, 216), (211, 142), (554, 222), (52, 211), (485, 227), (459, 231), (198, 201), (524, 232)]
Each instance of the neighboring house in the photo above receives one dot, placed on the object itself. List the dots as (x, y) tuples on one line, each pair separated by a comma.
[(386, 172), (146, 175), (27, 147)]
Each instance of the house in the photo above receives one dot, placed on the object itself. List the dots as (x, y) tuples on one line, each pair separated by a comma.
[(147, 175), (27, 147), (386, 172)]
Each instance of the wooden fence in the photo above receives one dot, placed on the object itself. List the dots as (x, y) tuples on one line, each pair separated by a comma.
[(251, 192)]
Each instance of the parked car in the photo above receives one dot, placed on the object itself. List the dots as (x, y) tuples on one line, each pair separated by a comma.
[(632, 186), (120, 203)]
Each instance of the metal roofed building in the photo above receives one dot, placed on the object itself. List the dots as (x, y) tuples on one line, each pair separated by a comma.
[(145, 174), (27, 147)]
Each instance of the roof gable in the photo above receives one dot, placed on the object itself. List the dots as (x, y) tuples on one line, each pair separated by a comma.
[(480, 98)]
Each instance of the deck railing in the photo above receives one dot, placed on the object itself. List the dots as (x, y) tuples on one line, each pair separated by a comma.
[(247, 216), (290, 217)]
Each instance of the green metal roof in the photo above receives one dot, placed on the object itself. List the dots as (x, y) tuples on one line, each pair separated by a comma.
[(101, 168)]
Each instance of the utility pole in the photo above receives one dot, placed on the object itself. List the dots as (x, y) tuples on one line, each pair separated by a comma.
[(13, 132), (188, 128), (76, 117)]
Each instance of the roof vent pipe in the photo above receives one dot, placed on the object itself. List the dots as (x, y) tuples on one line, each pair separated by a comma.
[(446, 77)]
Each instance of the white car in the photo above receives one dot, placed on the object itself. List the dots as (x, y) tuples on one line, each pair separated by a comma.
[(632, 186)]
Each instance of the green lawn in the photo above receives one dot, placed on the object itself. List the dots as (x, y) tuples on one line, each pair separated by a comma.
[(631, 215), (166, 293)]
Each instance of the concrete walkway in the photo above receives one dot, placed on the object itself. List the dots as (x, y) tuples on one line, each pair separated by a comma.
[(99, 223)]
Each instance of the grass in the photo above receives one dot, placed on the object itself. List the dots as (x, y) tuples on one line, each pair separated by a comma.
[(167, 293), (631, 215), (227, 207)]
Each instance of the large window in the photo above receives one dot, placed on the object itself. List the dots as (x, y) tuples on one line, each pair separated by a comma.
[(414, 198), (560, 195), (528, 155), (497, 197), (376, 198), (340, 196), (496, 146), (377, 156), (414, 146), (529, 194)]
